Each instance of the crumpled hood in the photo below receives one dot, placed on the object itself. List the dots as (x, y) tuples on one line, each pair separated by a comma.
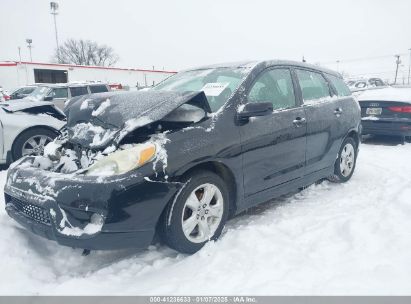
[(95, 121), (20, 105)]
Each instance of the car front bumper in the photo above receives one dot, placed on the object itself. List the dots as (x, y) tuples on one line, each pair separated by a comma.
[(59, 207), (387, 126)]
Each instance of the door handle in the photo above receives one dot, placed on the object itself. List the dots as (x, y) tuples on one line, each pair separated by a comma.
[(338, 111), (299, 121)]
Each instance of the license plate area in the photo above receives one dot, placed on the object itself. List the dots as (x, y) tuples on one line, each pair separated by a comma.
[(373, 111)]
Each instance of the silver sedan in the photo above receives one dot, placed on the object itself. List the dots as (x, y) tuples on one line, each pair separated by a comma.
[(26, 127)]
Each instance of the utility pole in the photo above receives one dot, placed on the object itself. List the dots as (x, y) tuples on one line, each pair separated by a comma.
[(338, 66), (29, 42), (409, 67), (19, 48), (54, 7), (398, 61)]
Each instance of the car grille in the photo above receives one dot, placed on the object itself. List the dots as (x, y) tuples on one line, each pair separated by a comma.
[(31, 211)]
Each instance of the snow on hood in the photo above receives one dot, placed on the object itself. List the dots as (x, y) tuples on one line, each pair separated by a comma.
[(94, 121), (387, 94), (16, 106)]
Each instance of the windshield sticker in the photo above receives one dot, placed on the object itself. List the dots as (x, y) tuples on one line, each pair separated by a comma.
[(214, 88)]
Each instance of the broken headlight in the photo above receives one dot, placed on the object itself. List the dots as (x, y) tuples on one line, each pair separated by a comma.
[(123, 161)]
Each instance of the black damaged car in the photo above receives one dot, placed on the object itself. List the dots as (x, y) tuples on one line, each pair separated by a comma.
[(178, 160)]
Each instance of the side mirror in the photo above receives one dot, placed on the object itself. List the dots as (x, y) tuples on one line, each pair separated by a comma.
[(48, 98), (254, 109)]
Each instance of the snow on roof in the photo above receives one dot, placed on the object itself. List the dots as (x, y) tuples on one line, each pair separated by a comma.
[(387, 94)]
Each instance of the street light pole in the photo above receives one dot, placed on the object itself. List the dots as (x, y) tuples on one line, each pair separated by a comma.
[(29, 42), (54, 11), (398, 61), (19, 48)]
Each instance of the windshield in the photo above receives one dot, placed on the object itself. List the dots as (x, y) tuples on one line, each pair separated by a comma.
[(38, 94), (217, 83)]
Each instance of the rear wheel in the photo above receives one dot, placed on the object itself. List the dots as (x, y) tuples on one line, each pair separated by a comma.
[(345, 163), (197, 214), (32, 142)]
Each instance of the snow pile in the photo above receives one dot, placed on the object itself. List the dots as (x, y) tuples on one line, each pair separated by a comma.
[(161, 153), (332, 239)]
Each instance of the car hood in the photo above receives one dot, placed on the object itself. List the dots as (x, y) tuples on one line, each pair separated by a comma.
[(95, 121), (20, 105)]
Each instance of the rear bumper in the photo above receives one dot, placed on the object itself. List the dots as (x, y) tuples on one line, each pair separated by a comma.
[(60, 209), (400, 127)]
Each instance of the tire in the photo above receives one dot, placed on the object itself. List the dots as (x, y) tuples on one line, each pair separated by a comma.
[(344, 165), (41, 136), (197, 212)]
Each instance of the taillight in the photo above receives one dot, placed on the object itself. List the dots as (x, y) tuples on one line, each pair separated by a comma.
[(6, 97), (405, 109)]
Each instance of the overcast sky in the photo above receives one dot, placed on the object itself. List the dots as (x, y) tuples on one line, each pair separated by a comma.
[(177, 34)]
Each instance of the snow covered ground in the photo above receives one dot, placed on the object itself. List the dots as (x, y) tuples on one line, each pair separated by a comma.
[(352, 238)]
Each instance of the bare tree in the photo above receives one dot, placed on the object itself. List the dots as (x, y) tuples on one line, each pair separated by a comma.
[(85, 52)]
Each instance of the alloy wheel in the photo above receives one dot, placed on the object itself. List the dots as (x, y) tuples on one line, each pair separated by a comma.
[(347, 159), (202, 213), (35, 145)]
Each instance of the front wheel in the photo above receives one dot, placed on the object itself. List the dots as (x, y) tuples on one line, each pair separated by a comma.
[(345, 163), (197, 214), (32, 142)]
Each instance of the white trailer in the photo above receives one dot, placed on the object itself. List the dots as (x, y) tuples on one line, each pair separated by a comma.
[(14, 74)]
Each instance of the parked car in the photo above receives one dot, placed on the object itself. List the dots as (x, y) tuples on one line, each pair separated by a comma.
[(22, 92), (26, 127), (60, 93), (386, 112), (183, 157), (365, 84)]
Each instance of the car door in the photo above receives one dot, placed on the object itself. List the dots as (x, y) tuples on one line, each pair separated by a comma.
[(273, 146), (324, 126)]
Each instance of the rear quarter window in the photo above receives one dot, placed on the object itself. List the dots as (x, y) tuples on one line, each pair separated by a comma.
[(98, 89), (77, 91), (59, 93), (339, 85)]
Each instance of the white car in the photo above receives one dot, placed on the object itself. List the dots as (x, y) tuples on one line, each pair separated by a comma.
[(26, 127)]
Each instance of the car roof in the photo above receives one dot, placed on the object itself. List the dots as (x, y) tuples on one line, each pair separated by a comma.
[(253, 64), (69, 85)]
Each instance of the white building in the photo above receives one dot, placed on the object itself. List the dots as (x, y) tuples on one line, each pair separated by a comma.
[(14, 74)]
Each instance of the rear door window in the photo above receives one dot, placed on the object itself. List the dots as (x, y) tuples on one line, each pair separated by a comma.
[(338, 83), (98, 89), (313, 85), (274, 86), (77, 91)]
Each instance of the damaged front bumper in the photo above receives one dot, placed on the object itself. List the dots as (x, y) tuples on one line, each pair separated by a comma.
[(60, 207)]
